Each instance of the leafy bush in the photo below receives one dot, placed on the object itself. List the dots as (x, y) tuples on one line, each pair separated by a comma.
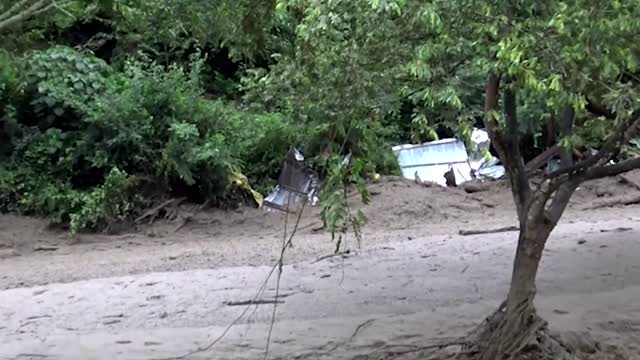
[(173, 132), (9, 80), (111, 202), (86, 132), (262, 146), (9, 90), (30, 193), (58, 79)]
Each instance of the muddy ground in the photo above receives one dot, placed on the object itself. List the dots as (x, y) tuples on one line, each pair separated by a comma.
[(163, 289)]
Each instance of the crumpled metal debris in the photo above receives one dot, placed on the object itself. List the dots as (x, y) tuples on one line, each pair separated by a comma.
[(297, 184)]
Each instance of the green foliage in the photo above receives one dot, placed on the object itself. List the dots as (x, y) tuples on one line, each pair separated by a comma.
[(9, 79), (111, 202), (353, 64), (335, 77), (336, 212), (28, 192), (146, 122), (9, 90), (262, 146), (59, 79), (164, 28)]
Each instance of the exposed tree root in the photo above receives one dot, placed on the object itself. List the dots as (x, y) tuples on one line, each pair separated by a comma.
[(167, 210), (519, 335), (523, 335)]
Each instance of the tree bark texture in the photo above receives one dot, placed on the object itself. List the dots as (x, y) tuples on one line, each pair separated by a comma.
[(516, 323), (507, 144)]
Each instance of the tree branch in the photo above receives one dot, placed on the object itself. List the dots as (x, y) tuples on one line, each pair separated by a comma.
[(513, 156), (612, 170), (507, 145), (537, 162), (599, 110), (560, 200), (11, 11), (624, 131), (449, 72), (8, 20), (49, 7), (566, 128)]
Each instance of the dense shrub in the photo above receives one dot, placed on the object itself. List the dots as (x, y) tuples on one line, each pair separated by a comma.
[(88, 134), (9, 90), (88, 145), (58, 80)]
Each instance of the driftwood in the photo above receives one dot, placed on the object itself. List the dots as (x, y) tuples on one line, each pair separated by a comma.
[(489, 231), (616, 201)]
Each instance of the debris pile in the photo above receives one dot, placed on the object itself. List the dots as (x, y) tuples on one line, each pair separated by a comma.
[(446, 162)]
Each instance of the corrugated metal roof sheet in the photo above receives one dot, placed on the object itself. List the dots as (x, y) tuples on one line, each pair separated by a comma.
[(433, 159)]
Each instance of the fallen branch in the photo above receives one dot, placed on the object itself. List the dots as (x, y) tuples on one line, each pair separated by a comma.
[(252, 302), (489, 231), (25, 10), (276, 266), (482, 201), (617, 201), (360, 327), (45, 248), (187, 219), (325, 257), (410, 349), (153, 213), (618, 229)]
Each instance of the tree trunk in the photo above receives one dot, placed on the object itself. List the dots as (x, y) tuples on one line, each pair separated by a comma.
[(525, 269), (513, 326), (515, 331)]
